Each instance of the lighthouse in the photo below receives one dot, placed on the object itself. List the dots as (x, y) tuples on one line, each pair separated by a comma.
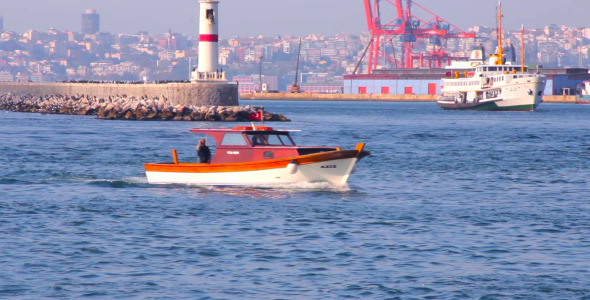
[(208, 64)]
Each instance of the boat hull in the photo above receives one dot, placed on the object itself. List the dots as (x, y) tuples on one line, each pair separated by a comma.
[(332, 167), (492, 106), (583, 99)]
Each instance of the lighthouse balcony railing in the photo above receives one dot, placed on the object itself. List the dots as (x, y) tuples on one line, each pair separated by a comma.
[(209, 76)]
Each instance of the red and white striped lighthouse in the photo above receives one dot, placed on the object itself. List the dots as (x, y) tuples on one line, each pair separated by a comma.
[(208, 68)]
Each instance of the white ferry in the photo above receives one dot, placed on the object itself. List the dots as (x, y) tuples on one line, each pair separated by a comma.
[(495, 85)]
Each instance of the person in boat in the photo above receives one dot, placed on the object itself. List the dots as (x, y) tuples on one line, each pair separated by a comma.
[(203, 152), (255, 141)]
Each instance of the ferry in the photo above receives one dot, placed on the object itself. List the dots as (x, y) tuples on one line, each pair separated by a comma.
[(258, 155), (583, 93), (494, 85)]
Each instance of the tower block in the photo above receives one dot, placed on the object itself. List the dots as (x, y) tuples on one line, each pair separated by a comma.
[(208, 66)]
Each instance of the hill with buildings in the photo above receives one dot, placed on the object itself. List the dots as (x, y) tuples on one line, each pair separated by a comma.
[(254, 62)]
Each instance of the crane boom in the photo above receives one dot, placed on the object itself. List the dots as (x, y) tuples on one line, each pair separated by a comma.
[(409, 28)]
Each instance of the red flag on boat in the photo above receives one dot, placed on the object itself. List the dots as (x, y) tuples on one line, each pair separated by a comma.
[(256, 115)]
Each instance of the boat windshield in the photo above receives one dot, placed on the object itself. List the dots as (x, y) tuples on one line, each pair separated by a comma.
[(270, 139)]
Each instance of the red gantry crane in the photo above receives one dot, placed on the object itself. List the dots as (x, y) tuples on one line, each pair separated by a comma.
[(409, 28)]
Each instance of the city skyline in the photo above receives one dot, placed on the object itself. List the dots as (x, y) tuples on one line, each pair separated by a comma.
[(297, 17)]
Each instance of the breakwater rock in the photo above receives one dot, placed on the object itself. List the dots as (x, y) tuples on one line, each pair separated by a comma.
[(130, 108)]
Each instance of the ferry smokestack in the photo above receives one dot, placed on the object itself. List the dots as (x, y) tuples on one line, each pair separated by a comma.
[(208, 64)]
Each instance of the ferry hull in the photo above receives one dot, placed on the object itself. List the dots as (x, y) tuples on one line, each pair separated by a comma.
[(332, 167), (492, 106)]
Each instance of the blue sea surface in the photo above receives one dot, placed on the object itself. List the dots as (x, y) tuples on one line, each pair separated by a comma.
[(449, 205)]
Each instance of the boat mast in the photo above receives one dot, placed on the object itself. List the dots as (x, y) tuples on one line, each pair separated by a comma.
[(522, 49), (500, 50)]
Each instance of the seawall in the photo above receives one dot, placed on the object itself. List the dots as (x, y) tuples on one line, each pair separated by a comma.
[(131, 108), (197, 94), (372, 97)]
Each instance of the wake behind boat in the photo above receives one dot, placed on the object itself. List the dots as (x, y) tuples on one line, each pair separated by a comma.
[(259, 156), (495, 85)]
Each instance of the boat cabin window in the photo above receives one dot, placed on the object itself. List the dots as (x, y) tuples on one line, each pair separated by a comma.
[(233, 139), (274, 139), (493, 68)]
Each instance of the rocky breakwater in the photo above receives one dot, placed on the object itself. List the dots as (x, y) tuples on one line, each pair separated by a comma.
[(131, 108)]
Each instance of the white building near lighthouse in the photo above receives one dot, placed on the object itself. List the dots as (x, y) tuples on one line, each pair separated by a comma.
[(208, 65)]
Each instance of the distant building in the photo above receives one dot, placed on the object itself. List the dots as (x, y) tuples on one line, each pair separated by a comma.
[(251, 84), (245, 83), (90, 22), (6, 77)]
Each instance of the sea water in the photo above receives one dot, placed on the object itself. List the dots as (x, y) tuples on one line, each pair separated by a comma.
[(449, 205)]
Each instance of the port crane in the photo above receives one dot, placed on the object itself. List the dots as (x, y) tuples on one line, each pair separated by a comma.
[(295, 87), (409, 28)]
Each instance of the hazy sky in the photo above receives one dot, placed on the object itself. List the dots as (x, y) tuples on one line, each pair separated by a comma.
[(269, 17)]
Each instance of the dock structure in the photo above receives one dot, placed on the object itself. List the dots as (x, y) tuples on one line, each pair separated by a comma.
[(373, 97)]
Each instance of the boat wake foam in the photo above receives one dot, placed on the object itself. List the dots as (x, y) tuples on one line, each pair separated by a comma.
[(115, 183), (300, 186)]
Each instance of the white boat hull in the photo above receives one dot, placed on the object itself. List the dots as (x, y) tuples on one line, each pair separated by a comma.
[(335, 172)]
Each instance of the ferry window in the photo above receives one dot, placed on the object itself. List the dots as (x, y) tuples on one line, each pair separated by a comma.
[(234, 139), (493, 68)]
